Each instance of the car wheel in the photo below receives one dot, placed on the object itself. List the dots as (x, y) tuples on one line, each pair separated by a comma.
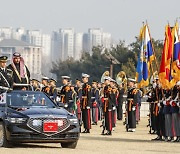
[(71, 145), (3, 140)]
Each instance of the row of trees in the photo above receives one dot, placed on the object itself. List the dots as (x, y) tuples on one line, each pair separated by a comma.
[(97, 63)]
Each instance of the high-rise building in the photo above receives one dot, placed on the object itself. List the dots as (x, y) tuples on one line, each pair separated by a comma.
[(78, 45), (36, 37), (66, 44), (6, 33), (96, 37)]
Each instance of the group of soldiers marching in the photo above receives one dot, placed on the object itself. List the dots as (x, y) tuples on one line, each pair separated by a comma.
[(165, 112)]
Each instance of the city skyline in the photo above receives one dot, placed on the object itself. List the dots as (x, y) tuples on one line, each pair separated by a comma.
[(121, 18)]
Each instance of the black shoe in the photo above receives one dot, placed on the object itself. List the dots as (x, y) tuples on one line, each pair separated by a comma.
[(166, 139), (88, 131), (108, 133), (171, 139), (159, 138), (85, 131), (176, 140)]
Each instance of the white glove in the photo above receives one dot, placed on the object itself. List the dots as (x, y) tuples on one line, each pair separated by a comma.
[(159, 104), (66, 105), (87, 107), (164, 102), (114, 108), (171, 103), (58, 99), (133, 108)]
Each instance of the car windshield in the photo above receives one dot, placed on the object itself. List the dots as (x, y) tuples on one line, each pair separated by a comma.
[(28, 99)]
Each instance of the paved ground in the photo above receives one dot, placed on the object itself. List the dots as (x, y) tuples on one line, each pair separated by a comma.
[(119, 142)]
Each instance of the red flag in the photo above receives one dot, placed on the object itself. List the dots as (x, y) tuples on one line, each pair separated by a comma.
[(165, 76)]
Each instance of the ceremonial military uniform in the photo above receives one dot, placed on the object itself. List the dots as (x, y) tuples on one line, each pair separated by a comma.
[(86, 103), (107, 108), (114, 101), (6, 74), (72, 101), (120, 100), (95, 105), (131, 108), (158, 112), (175, 111), (78, 103), (65, 95)]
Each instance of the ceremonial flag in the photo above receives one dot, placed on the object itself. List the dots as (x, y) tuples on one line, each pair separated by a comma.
[(145, 58), (176, 54), (165, 73)]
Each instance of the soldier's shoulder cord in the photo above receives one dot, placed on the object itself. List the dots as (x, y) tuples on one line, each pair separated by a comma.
[(79, 89), (67, 88), (134, 91)]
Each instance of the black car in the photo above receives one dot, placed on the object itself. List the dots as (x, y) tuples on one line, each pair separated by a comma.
[(32, 117)]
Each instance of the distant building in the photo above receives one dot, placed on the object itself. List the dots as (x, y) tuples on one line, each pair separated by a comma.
[(66, 44), (36, 37), (78, 45), (96, 37), (30, 53)]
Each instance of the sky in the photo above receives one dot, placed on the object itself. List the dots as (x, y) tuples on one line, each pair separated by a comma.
[(122, 18)]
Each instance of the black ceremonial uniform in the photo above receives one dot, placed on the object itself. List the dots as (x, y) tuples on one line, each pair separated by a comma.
[(6, 79), (95, 105), (86, 103), (65, 95), (120, 100), (158, 113), (107, 108), (131, 107)]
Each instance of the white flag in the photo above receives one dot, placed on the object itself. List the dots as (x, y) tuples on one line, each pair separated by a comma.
[(3, 98)]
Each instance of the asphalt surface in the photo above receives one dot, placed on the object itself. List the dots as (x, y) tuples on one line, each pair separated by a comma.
[(120, 142)]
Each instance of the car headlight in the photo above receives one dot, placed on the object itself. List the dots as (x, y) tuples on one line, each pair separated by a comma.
[(74, 121), (16, 120)]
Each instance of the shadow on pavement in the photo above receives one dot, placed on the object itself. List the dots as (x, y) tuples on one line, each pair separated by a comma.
[(103, 138), (23, 145)]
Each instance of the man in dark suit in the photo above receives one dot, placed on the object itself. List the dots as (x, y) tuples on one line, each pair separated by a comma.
[(5, 74)]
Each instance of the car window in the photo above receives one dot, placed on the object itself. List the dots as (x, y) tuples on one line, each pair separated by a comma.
[(28, 99)]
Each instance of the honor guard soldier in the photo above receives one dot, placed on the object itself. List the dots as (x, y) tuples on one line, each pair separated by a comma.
[(114, 101), (21, 74), (6, 79), (53, 90), (72, 100), (107, 107), (86, 103), (95, 102), (35, 85), (158, 110), (78, 90), (65, 91), (131, 106), (45, 85), (175, 109), (120, 101), (167, 115)]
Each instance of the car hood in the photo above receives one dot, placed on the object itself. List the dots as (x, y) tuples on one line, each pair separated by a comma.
[(34, 112)]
